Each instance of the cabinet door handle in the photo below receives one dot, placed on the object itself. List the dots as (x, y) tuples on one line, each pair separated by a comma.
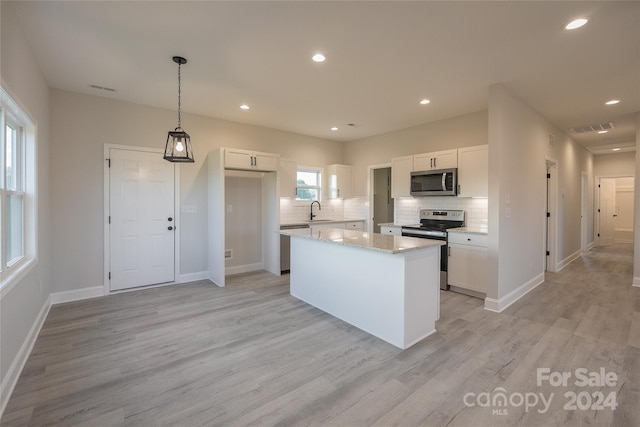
[(449, 249), (435, 162)]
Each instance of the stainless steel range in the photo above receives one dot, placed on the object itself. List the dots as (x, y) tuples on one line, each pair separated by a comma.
[(434, 225)]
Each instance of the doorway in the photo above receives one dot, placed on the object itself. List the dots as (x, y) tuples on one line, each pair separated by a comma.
[(551, 222), (615, 210), (383, 209), (140, 221)]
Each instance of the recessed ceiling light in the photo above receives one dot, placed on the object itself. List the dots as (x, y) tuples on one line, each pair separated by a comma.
[(603, 131), (425, 102), (244, 107), (615, 149), (334, 128), (318, 57), (612, 102), (576, 23)]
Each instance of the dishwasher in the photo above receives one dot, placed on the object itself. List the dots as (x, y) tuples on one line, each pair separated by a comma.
[(285, 246)]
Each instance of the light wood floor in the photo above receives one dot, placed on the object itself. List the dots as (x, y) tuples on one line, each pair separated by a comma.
[(250, 354)]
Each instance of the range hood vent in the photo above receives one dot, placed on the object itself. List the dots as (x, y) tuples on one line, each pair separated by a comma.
[(593, 128)]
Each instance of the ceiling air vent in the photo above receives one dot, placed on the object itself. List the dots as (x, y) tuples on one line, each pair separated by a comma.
[(593, 128), (108, 89)]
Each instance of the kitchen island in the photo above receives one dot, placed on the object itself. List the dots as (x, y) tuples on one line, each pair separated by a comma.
[(385, 285)]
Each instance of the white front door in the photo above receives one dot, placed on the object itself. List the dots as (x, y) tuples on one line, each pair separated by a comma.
[(141, 219), (607, 211)]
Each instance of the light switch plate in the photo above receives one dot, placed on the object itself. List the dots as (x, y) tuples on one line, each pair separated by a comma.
[(189, 209)]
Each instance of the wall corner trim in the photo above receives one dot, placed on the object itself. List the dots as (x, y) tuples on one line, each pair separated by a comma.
[(499, 305), (13, 373)]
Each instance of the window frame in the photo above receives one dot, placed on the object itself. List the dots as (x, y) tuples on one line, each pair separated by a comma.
[(314, 169), (12, 114)]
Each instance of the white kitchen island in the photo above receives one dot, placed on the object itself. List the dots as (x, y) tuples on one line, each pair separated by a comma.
[(385, 285)]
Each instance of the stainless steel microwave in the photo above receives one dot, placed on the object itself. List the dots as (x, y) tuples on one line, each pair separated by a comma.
[(440, 182)]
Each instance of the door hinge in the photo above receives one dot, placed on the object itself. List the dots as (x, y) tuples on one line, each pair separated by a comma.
[(548, 253), (109, 275), (548, 176), (598, 210), (109, 219), (548, 214), (598, 234), (598, 185), (108, 162)]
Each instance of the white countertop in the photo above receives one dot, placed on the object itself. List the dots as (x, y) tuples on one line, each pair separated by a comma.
[(394, 224), (306, 222), (473, 230), (372, 241)]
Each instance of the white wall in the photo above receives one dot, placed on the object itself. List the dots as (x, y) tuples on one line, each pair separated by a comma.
[(636, 224), (615, 164), (243, 219), (518, 148), (457, 132), (21, 307), (82, 124)]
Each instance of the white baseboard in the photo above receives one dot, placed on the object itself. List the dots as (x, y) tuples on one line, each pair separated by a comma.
[(244, 268), (77, 294), (193, 277), (568, 260), (13, 373), (636, 282), (503, 303)]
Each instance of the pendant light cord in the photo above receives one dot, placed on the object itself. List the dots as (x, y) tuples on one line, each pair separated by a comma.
[(179, 93)]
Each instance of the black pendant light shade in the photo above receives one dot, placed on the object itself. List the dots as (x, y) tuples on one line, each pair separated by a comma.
[(178, 147)]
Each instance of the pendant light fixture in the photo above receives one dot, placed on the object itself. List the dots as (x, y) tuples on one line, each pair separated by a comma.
[(178, 148)]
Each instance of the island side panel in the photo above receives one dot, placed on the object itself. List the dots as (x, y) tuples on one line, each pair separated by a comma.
[(360, 286), (422, 294)]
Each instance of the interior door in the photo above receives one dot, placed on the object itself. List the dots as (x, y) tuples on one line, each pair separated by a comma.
[(141, 219), (607, 211)]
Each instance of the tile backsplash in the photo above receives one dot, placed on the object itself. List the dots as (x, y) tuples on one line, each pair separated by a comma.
[(338, 209), (407, 210)]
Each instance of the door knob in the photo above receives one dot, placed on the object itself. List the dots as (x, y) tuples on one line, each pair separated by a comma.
[(170, 228), (170, 219)]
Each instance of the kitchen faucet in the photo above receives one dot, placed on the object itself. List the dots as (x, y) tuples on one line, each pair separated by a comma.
[(319, 208)]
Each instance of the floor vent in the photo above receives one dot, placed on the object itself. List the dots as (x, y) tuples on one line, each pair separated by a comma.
[(596, 127)]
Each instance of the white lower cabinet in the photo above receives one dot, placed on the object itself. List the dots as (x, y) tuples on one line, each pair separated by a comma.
[(468, 261), (388, 229)]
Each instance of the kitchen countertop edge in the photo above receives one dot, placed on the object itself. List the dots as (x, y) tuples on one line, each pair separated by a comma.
[(369, 241)]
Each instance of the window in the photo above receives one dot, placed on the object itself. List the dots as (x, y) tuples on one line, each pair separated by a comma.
[(17, 189), (308, 184)]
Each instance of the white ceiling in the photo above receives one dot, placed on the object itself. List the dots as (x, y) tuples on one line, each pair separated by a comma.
[(382, 58)]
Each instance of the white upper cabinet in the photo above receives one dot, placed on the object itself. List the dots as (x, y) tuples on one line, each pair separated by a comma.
[(250, 160), (473, 171), (401, 168), (287, 175), (438, 160), (340, 181)]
